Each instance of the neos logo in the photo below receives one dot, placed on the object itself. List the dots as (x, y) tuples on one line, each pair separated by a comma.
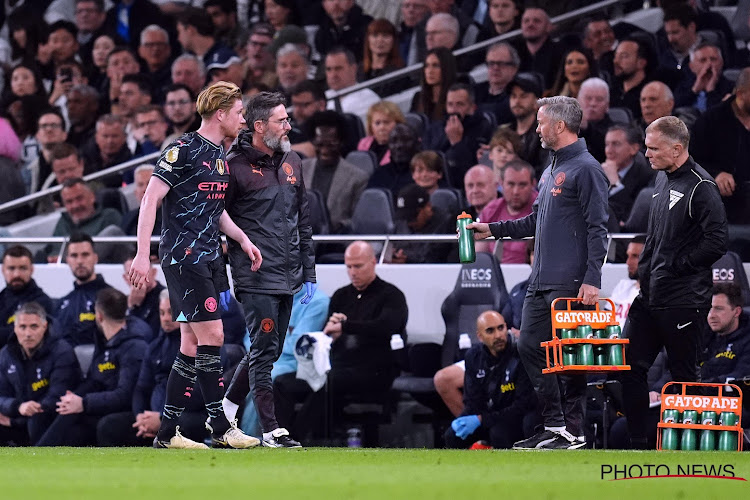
[(476, 278), (723, 274)]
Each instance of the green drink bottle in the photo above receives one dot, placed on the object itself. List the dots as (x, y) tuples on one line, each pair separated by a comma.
[(569, 351), (670, 435), (728, 439), (585, 351), (688, 441), (600, 351), (466, 251), (615, 351), (708, 437)]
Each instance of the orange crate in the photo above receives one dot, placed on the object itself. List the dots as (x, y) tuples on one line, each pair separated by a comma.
[(700, 403), (563, 316)]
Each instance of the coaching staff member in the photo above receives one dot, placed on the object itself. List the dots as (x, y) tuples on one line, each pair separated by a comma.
[(569, 222), (687, 232), (191, 178), (267, 199)]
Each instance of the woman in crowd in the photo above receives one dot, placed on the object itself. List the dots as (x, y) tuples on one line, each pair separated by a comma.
[(102, 47), (579, 64), (382, 117), (381, 56), (438, 75), (280, 13)]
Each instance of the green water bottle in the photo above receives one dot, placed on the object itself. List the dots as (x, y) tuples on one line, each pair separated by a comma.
[(670, 435), (728, 439), (688, 441), (466, 252), (708, 437), (615, 351), (585, 351), (569, 351), (600, 351)]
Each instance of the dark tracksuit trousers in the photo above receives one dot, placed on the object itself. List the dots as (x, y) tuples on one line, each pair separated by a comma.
[(563, 398), (267, 318)]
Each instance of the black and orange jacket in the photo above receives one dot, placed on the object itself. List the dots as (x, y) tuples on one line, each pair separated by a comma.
[(266, 198)]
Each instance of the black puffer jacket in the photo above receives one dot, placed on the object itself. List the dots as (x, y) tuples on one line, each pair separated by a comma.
[(266, 198)]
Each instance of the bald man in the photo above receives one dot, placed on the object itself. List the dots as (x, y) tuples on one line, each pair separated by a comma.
[(362, 317), (656, 101), (497, 391)]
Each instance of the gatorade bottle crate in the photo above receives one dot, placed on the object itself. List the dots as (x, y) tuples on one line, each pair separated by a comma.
[(581, 354), (713, 405)]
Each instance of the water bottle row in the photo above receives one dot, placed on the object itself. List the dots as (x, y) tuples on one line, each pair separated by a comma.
[(589, 354), (687, 439)]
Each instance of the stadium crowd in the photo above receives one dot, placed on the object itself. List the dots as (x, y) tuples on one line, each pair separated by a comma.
[(89, 84)]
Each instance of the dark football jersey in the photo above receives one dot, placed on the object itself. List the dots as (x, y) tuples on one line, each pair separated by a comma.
[(196, 171)]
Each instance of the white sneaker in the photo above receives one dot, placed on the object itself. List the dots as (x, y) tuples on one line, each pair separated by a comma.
[(233, 438), (179, 442), (279, 438)]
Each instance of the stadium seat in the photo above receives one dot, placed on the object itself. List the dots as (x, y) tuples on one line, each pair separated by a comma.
[(729, 269), (355, 131), (448, 199), (319, 219), (366, 160), (638, 219), (373, 213), (417, 121), (620, 115), (112, 198), (647, 19)]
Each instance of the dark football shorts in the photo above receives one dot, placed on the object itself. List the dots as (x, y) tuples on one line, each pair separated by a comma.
[(194, 290)]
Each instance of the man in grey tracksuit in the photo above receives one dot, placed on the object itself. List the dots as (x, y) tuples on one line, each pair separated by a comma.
[(569, 223)]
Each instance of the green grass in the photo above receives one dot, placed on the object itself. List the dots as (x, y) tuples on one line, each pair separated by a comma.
[(342, 474)]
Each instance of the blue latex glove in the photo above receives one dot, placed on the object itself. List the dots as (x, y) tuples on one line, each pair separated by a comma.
[(310, 288), (465, 426), (225, 298)]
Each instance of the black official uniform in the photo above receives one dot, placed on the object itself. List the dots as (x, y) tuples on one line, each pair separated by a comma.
[(190, 248), (687, 233), (498, 389)]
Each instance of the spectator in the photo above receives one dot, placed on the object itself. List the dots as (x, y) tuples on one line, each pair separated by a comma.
[(657, 100), (259, 59), (480, 187), (442, 30), (381, 118), (525, 89), (427, 170), (307, 99), (74, 319), (495, 404), (156, 53), (339, 182), (128, 18), (680, 25), (578, 65), (97, 70), (626, 290), (631, 64), (536, 49), (135, 92), (362, 317), (66, 164), (627, 170), (89, 19), (67, 75), (502, 16), (503, 148), (142, 175), (519, 193), (82, 104), (438, 75), (344, 25), (63, 43), (23, 80), (411, 38), (110, 381), (460, 134), (341, 73), (727, 124), (150, 132), (415, 214), (179, 108), (594, 99), (10, 170), (291, 67), (502, 65), (23, 115), (144, 302), (36, 369), (281, 13), (705, 86), (599, 38), (223, 14), (403, 144), (190, 71), (226, 66), (20, 288), (382, 57), (120, 62), (728, 351), (108, 148)]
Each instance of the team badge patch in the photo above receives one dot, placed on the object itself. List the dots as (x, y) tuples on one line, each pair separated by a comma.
[(172, 155), (266, 326), (560, 179), (220, 166), (287, 169), (210, 304)]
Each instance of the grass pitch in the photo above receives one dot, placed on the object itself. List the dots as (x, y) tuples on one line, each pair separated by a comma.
[(342, 474)]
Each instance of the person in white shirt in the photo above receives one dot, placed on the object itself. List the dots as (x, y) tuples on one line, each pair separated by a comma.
[(341, 72), (627, 289)]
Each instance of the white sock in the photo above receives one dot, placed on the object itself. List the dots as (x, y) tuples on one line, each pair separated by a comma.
[(556, 430), (230, 409)]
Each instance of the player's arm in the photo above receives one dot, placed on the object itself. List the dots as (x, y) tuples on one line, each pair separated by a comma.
[(228, 227), (156, 190)]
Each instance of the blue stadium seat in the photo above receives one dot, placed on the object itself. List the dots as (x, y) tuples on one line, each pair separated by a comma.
[(366, 160)]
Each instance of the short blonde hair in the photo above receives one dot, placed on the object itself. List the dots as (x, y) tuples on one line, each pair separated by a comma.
[(389, 109), (220, 95)]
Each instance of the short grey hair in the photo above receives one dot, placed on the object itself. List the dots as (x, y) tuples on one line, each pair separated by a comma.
[(673, 129), (86, 91), (446, 20), (194, 59), (111, 119), (704, 45), (32, 308), (663, 88), (514, 57), (594, 83), (153, 28), (290, 48), (260, 106), (164, 295), (565, 109), (143, 167)]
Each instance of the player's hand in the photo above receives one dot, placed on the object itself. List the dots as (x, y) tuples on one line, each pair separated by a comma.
[(589, 294), (725, 183), (310, 288), (481, 230), (30, 408), (252, 251), (138, 275)]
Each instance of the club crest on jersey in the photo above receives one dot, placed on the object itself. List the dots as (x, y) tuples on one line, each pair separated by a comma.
[(674, 197), (220, 166), (289, 171), (172, 154)]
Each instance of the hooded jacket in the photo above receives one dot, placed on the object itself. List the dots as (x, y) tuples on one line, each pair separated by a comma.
[(75, 320), (10, 300), (728, 356), (266, 198)]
